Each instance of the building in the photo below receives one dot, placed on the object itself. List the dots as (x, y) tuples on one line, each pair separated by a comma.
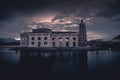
[(44, 37), (115, 43), (116, 39), (95, 42)]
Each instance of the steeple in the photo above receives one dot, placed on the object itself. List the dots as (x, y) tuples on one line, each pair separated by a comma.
[(82, 34), (82, 21), (82, 25)]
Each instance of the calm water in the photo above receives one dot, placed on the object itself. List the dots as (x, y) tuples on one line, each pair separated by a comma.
[(91, 65)]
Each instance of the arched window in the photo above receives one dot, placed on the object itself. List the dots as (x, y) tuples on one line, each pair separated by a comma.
[(67, 39), (74, 39), (60, 39), (67, 44)]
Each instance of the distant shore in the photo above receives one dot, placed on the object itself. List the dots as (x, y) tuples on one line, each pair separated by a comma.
[(9, 46)]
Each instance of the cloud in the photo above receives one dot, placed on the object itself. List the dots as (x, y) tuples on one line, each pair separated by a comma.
[(101, 16), (111, 10), (68, 7), (12, 27)]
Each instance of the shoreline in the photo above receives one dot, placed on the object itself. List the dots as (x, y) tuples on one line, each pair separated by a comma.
[(58, 48)]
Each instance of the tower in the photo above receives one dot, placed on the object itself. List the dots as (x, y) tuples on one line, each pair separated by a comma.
[(82, 37)]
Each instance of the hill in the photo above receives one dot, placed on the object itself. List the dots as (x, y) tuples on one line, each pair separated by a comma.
[(9, 41)]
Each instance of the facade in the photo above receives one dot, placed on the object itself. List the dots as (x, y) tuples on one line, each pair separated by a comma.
[(44, 37)]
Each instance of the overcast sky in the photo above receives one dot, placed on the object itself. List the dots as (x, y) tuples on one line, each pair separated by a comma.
[(102, 17)]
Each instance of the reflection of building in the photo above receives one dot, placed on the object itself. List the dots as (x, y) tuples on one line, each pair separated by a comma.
[(54, 65), (44, 37)]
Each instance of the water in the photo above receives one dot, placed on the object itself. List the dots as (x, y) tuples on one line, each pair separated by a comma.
[(64, 65)]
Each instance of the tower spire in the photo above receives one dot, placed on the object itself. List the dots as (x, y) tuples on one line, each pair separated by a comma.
[(82, 21), (82, 41)]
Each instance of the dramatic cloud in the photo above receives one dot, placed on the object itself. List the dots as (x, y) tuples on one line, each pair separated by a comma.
[(102, 17)]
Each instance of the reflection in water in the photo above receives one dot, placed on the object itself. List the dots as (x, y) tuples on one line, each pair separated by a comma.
[(62, 65), (55, 65), (104, 65)]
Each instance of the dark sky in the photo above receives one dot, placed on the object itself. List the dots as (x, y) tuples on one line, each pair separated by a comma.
[(102, 17)]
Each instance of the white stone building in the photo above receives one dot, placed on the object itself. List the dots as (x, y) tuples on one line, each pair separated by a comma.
[(44, 37)]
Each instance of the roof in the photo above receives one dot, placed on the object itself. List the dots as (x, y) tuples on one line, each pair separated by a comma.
[(46, 30), (63, 32), (117, 37), (42, 30)]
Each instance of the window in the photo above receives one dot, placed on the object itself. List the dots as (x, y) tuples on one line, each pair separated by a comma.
[(79, 33), (67, 39), (32, 43), (32, 38), (83, 38), (83, 33), (60, 39), (74, 44), (45, 43), (53, 44), (39, 44), (83, 43), (60, 44), (53, 39), (23, 43), (39, 38), (74, 39), (23, 38), (79, 38), (67, 44), (45, 38)]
